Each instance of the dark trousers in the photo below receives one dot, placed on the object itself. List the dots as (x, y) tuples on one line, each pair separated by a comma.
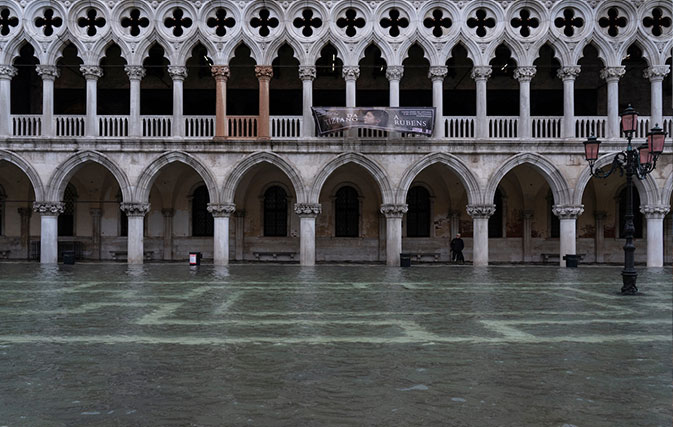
[(458, 256)]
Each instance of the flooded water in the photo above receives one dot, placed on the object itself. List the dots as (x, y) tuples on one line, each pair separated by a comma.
[(110, 345)]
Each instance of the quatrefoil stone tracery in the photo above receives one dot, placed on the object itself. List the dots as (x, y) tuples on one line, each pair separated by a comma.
[(7, 21), (569, 22), (438, 23), (178, 22), (264, 22), (221, 22), (135, 22), (351, 22), (525, 22), (306, 22), (613, 22), (481, 23), (49, 21), (394, 21), (657, 21), (91, 22)]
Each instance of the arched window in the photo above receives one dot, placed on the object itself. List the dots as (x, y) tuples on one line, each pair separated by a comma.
[(346, 212), (637, 215), (275, 212), (3, 196), (495, 221), (66, 220), (123, 219), (418, 215), (202, 220), (554, 224)]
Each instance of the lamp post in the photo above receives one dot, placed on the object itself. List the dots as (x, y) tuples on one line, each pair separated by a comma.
[(628, 161)]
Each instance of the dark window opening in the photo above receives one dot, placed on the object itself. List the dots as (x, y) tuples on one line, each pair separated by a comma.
[(555, 231), (418, 215), (66, 220), (275, 212), (496, 220), (123, 218), (202, 220), (347, 212)]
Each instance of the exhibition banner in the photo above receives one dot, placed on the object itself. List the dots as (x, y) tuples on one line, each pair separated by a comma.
[(418, 120)]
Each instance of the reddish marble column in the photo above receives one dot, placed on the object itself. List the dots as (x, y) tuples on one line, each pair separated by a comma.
[(221, 74), (264, 74)]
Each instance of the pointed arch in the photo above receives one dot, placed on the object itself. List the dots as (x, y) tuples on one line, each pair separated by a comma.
[(649, 53), (647, 188), (185, 52), (317, 47), (561, 52), (386, 53), (369, 165), (229, 50), (667, 191), (473, 52), (65, 171), (602, 48), (142, 52), (274, 47), (55, 50), (152, 171), (456, 165), (231, 182), (13, 49), (429, 51), (98, 52), (28, 169), (514, 50), (554, 177)]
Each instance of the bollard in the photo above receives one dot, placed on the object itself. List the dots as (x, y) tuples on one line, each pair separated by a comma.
[(195, 258)]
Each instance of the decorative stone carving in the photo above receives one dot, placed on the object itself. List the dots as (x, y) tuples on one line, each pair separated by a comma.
[(481, 72), (8, 72), (656, 72), (567, 211), (220, 72), (307, 72), (135, 209), (135, 72), (177, 72), (525, 73), (48, 72), (49, 208), (568, 73), (437, 72), (480, 211), (91, 72), (655, 211), (221, 210), (350, 72), (264, 72), (613, 73), (395, 72), (308, 210), (394, 211)]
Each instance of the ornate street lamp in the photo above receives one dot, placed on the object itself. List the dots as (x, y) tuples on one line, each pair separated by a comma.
[(639, 164)]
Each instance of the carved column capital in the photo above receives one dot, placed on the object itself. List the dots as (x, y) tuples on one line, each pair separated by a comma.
[(525, 73), (221, 210), (264, 72), (135, 209), (527, 214), (135, 72), (307, 72), (656, 72), (480, 211), (350, 72), (655, 211), (394, 72), (91, 72), (567, 211), (308, 210), (49, 208), (568, 73), (613, 73), (437, 72), (48, 72), (481, 72), (394, 211), (8, 71), (177, 72), (220, 72)]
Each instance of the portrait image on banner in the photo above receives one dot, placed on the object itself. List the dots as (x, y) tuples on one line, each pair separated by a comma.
[(419, 120)]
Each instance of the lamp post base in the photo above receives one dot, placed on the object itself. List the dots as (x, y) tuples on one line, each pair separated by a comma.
[(629, 278)]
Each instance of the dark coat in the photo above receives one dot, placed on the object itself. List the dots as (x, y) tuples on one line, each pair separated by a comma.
[(457, 244)]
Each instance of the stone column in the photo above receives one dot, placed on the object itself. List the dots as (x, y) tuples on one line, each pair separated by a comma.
[(480, 215), (568, 76), (264, 74), (600, 235), (655, 233), (25, 214), (437, 74), (178, 74), (168, 233), (136, 74), (95, 232), (567, 215), (240, 228), (612, 75), (481, 74), (393, 214), (49, 212), (91, 73), (7, 72), (221, 74), (49, 73), (524, 75), (350, 73), (527, 235), (656, 74), (136, 214), (307, 213), (307, 74), (221, 214), (394, 74)]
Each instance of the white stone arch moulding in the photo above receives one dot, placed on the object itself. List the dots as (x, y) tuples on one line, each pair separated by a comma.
[(667, 191), (153, 169), (315, 49), (26, 168), (185, 52), (231, 182), (66, 170), (298, 51), (647, 188), (376, 172), (456, 165), (557, 182), (386, 54)]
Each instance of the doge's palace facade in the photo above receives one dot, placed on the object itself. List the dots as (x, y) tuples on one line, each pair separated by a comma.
[(143, 130)]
